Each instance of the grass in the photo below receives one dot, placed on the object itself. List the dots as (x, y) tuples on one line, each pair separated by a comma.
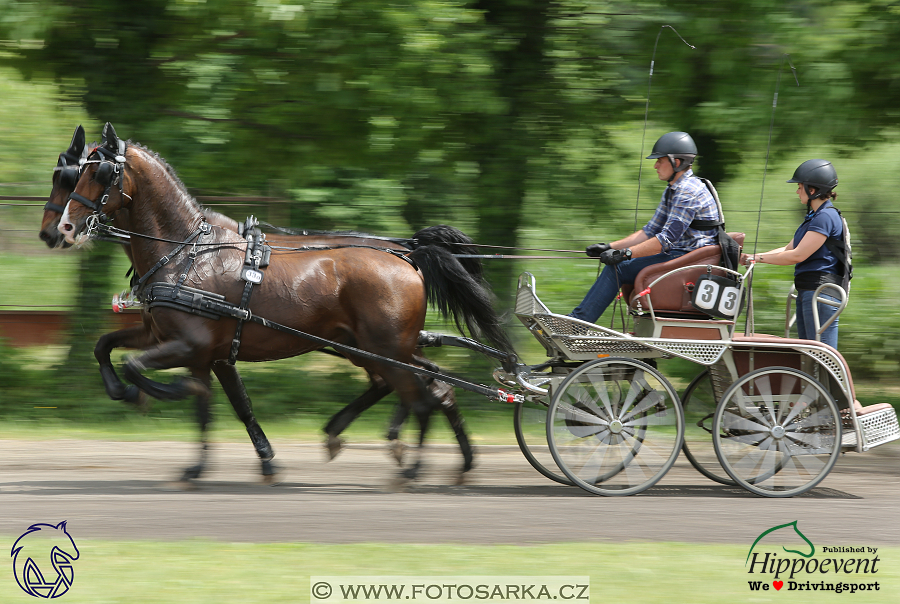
[(194, 572)]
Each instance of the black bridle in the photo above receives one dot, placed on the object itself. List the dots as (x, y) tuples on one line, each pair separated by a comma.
[(70, 167), (109, 174)]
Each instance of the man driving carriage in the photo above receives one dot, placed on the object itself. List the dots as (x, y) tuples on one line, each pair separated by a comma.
[(667, 236)]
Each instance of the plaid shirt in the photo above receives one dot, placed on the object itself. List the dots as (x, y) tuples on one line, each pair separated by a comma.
[(682, 202)]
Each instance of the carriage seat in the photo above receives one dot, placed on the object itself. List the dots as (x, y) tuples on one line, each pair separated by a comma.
[(672, 296)]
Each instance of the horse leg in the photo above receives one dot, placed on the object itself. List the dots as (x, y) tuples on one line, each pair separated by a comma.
[(378, 389), (416, 396), (234, 389), (444, 392), (204, 416), (395, 446), (132, 337), (165, 355)]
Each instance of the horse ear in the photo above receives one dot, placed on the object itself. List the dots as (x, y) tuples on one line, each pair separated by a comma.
[(110, 140), (76, 147), (62, 525)]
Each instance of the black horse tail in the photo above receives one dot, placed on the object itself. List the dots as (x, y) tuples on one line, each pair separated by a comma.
[(456, 242), (458, 294)]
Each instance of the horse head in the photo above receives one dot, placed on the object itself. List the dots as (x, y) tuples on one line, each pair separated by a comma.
[(101, 187), (65, 175)]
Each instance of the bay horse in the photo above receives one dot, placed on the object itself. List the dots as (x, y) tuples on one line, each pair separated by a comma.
[(362, 297), (63, 183)]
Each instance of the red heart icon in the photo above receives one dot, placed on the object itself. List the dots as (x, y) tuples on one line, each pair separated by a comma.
[(778, 584)]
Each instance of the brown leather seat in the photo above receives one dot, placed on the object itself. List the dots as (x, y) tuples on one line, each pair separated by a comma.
[(673, 295)]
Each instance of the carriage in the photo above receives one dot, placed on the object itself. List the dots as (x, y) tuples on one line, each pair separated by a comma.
[(770, 414)]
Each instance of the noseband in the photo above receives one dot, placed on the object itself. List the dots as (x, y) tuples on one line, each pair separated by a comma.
[(109, 174)]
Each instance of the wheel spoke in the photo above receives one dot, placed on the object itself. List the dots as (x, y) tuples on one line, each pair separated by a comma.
[(650, 399), (764, 386), (633, 392), (600, 387), (752, 439), (809, 396), (594, 462), (746, 405), (733, 421), (582, 415), (787, 386)]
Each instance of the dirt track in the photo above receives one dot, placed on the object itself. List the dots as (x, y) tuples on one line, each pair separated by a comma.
[(115, 490)]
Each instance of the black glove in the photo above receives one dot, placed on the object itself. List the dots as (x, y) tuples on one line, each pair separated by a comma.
[(595, 250), (614, 257)]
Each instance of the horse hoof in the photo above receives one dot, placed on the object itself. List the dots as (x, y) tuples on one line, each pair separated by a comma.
[(143, 403), (191, 474), (398, 484), (180, 486), (460, 479), (270, 473), (271, 480), (333, 444), (397, 450)]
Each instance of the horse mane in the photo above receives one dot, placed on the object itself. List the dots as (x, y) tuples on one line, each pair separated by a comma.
[(171, 172)]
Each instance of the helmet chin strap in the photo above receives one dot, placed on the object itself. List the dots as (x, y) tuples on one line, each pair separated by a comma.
[(674, 167), (810, 197)]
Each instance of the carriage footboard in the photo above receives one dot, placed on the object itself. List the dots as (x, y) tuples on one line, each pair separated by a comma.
[(877, 428)]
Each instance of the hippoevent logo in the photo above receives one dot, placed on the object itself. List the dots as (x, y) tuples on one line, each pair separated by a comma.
[(807, 568), (42, 560)]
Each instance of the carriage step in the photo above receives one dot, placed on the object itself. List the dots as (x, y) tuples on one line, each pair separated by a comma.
[(878, 425)]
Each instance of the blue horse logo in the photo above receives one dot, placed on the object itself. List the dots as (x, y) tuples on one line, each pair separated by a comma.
[(34, 547)]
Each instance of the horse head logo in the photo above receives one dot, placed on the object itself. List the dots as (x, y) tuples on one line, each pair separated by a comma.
[(44, 547), (812, 548)]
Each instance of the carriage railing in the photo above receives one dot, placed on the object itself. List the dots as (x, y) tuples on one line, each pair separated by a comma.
[(790, 319)]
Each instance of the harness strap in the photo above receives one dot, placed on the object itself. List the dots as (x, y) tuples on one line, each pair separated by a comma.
[(203, 228), (257, 252), (54, 207)]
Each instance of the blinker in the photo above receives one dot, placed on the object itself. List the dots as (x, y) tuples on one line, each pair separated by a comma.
[(104, 173)]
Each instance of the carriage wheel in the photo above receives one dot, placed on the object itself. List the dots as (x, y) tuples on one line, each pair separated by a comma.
[(777, 432), (615, 426), (699, 404), (530, 423)]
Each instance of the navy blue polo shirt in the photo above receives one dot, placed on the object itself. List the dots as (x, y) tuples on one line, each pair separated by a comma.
[(827, 221)]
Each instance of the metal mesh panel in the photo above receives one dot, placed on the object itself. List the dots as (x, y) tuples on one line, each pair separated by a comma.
[(702, 353), (525, 301), (721, 378), (567, 326), (879, 427), (831, 363), (603, 346)]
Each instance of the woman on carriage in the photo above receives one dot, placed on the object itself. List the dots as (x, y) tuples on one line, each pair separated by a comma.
[(815, 249)]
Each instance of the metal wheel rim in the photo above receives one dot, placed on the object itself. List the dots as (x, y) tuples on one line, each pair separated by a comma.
[(587, 447), (531, 452), (781, 463), (701, 386)]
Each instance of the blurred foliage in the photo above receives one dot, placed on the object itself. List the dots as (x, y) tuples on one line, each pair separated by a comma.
[(518, 121)]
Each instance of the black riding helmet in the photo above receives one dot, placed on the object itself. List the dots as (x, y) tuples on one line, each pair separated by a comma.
[(675, 145), (816, 173)]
